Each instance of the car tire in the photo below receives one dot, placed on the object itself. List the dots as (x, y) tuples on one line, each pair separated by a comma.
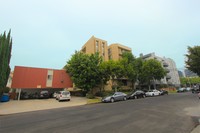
[(124, 98), (112, 100)]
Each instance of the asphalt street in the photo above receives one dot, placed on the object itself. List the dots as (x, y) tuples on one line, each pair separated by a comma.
[(174, 113)]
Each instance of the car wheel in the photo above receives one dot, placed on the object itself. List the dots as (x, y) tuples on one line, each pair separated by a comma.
[(135, 97), (125, 98), (112, 100)]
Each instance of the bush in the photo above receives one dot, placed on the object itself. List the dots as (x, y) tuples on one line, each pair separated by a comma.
[(78, 93), (103, 93), (90, 96)]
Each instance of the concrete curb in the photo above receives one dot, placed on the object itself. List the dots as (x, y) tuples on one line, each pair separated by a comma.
[(196, 129)]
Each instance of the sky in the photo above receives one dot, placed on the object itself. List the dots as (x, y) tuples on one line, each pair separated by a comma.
[(46, 33)]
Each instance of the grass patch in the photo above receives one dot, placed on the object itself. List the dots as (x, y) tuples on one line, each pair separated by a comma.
[(95, 100)]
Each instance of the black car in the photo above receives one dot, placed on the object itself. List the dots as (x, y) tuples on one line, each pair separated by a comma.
[(163, 92), (136, 94), (44, 94)]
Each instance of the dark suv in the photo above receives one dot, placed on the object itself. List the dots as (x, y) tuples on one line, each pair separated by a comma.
[(44, 94)]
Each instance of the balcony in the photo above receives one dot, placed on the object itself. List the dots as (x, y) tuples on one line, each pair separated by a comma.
[(165, 64), (167, 70), (168, 77)]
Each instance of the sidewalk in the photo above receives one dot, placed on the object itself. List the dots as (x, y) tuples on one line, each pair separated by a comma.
[(15, 106), (196, 130)]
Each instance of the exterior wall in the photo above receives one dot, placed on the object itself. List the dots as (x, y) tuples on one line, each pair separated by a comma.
[(169, 65), (94, 45), (173, 73), (9, 83), (31, 78), (115, 51)]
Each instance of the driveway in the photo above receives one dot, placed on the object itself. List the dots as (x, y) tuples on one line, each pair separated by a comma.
[(15, 106)]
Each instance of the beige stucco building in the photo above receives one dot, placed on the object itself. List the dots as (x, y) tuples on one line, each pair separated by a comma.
[(111, 52), (94, 45), (116, 50)]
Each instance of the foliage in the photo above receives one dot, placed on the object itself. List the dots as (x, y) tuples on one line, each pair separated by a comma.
[(104, 93), (193, 59), (130, 71), (152, 70), (5, 55), (84, 70), (104, 74), (114, 70), (90, 96), (189, 81)]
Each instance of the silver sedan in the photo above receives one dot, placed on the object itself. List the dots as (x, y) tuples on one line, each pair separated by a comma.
[(117, 96)]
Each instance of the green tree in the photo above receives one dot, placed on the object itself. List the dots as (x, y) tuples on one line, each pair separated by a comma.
[(84, 70), (115, 71), (152, 70), (5, 55), (193, 59), (129, 70), (104, 74), (190, 80)]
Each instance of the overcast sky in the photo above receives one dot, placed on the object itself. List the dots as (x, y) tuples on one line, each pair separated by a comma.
[(47, 32)]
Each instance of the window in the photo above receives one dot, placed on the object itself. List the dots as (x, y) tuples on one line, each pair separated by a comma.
[(103, 45), (50, 77), (97, 46)]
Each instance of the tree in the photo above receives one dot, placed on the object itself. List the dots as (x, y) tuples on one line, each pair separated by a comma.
[(104, 74), (114, 70), (193, 59), (189, 80), (152, 70), (5, 55), (84, 70), (129, 70)]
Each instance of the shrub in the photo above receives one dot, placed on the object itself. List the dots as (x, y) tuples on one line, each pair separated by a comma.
[(103, 93), (90, 96)]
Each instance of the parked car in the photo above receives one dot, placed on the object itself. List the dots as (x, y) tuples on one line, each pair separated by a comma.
[(44, 94), (136, 94), (152, 93), (163, 92), (188, 89), (63, 95), (181, 89), (55, 94), (195, 90), (117, 96)]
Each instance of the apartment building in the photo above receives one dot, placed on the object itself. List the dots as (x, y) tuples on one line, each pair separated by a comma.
[(111, 52), (172, 77), (94, 45), (116, 50)]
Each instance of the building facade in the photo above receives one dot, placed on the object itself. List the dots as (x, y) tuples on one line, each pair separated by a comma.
[(172, 77), (39, 78), (111, 52), (94, 45), (116, 50)]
